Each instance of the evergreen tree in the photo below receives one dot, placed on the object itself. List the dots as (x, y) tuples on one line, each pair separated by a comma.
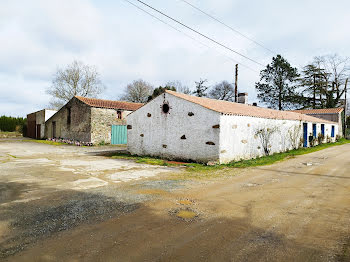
[(277, 84), (160, 90)]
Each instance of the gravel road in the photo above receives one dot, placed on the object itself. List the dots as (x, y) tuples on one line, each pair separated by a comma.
[(296, 210)]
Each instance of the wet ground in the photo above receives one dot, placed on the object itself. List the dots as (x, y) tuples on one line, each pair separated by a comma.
[(64, 203)]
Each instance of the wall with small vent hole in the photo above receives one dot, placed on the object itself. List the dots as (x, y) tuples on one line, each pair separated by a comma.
[(176, 135), (239, 139), (208, 136)]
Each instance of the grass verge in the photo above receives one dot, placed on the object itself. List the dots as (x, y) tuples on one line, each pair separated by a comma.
[(4, 134), (261, 161), (44, 142)]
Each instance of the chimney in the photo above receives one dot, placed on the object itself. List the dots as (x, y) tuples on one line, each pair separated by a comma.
[(243, 98)]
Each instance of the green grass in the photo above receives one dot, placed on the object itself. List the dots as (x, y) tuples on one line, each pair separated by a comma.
[(261, 161), (12, 156), (44, 142), (4, 134)]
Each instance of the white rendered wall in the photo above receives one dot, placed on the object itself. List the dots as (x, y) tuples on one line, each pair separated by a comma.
[(238, 138), (160, 134)]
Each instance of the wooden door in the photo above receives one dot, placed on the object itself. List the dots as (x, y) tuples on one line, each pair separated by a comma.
[(38, 131), (119, 135)]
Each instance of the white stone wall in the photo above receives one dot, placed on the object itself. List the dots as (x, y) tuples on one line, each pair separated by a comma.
[(102, 120), (157, 134), (239, 139)]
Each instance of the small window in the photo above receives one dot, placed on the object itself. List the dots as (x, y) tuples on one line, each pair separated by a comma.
[(119, 114), (69, 115)]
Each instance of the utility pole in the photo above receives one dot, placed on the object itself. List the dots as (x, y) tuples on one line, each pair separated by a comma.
[(236, 84), (345, 105)]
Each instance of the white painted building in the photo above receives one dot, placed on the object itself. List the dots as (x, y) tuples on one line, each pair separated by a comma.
[(36, 123), (184, 127)]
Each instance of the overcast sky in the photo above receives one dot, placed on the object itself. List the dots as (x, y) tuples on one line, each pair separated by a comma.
[(125, 44)]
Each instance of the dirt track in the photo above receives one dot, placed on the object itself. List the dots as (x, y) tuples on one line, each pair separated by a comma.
[(297, 210)]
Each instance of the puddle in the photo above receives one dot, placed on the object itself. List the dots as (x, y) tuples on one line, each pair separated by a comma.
[(186, 214)]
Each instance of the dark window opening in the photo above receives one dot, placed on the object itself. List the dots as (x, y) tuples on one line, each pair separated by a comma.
[(183, 137), (190, 114), (69, 115), (149, 115), (165, 108), (333, 131), (119, 114)]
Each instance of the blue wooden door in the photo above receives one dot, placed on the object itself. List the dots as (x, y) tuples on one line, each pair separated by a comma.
[(119, 135), (305, 134), (333, 131), (322, 129), (314, 127)]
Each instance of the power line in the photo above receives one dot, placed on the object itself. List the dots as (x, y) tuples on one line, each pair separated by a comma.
[(199, 33), (229, 27), (194, 39)]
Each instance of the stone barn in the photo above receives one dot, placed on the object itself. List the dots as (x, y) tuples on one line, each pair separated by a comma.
[(36, 123), (91, 120), (184, 127), (331, 114)]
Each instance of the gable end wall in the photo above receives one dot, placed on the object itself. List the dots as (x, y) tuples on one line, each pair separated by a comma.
[(157, 134)]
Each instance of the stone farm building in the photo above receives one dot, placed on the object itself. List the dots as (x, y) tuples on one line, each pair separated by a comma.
[(331, 114), (36, 123), (89, 119), (184, 127)]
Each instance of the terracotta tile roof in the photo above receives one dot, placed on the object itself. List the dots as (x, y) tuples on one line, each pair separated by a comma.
[(110, 103), (232, 108), (320, 111)]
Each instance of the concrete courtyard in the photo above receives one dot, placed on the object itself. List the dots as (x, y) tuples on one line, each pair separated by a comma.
[(65, 203)]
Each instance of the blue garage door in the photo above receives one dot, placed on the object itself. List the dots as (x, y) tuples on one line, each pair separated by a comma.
[(119, 135)]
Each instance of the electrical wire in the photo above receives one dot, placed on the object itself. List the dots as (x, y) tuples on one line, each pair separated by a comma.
[(189, 36), (199, 33), (227, 26)]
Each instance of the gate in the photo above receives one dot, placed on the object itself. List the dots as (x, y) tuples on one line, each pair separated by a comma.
[(119, 135)]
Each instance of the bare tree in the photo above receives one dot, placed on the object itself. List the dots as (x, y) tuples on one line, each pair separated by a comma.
[(179, 87), (334, 71), (223, 91), (294, 133), (265, 136), (201, 88), (77, 79), (138, 91)]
